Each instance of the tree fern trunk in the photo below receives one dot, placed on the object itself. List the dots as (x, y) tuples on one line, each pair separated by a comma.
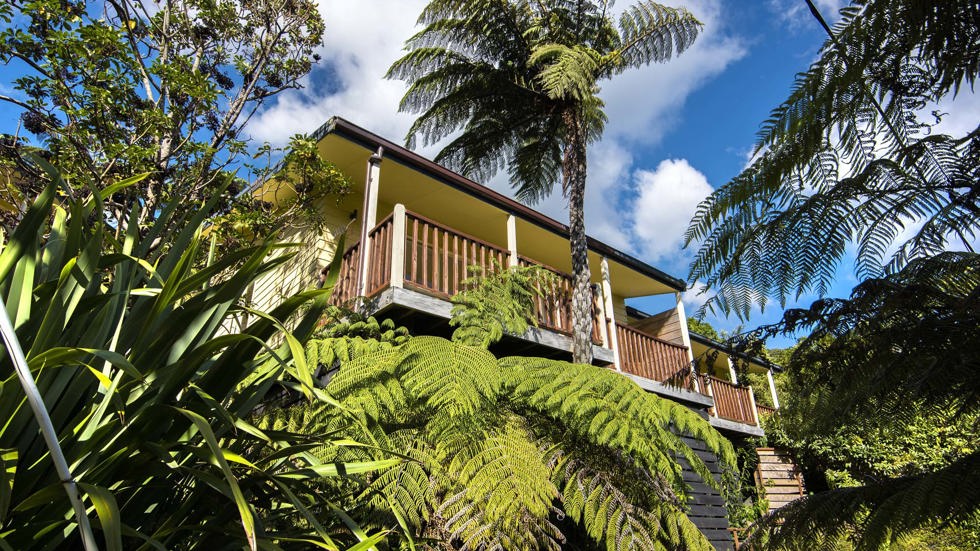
[(574, 171)]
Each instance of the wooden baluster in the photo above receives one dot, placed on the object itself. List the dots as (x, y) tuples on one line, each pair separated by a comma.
[(415, 251), (466, 269), (445, 262), (425, 255), (455, 264), (435, 259)]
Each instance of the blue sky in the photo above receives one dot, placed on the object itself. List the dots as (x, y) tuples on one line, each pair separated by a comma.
[(675, 131)]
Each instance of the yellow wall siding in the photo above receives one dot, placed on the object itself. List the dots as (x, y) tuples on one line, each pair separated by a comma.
[(315, 252), (665, 325), (619, 309)]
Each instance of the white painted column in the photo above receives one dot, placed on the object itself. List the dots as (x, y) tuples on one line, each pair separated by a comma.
[(686, 338), (755, 410), (369, 217), (772, 388), (512, 260), (610, 314), (398, 246), (731, 370)]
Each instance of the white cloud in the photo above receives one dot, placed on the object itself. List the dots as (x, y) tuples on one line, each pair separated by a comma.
[(696, 297), (796, 14), (643, 104), (959, 115), (362, 39), (665, 202)]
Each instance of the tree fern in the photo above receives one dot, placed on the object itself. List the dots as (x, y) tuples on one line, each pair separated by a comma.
[(515, 84), (494, 443), (497, 302), (781, 228)]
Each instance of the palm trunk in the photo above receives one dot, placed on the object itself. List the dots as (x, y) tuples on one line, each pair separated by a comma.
[(574, 171)]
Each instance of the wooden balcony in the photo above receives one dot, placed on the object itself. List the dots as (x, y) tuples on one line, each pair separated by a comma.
[(732, 402), (436, 260), (652, 358)]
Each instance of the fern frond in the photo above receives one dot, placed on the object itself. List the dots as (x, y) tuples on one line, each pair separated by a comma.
[(882, 512), (783, 225)]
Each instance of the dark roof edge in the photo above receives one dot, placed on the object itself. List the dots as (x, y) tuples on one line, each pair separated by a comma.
[(414, 160), (707, 341)]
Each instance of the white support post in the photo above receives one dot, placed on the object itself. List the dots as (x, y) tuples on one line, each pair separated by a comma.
[(398, 246), (610, 314), (772, 388), (755, 410), (512, 260), (731, 371), (686, 337), (369, 217)]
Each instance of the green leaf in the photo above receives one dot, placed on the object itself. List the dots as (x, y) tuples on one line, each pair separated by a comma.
[(340, 469), (108, 512), (8, 468), (244, 510)]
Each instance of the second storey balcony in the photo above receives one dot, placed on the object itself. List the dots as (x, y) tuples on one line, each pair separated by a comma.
[(418, 263), (415, 265)]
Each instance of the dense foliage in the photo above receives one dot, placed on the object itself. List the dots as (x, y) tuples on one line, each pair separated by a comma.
[(511, 453), (847, 159), (115, 88), (515, 84), (151, 393)]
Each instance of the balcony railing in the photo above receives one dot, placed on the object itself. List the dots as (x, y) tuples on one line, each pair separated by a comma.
[(732, 402), (764, 411), (437, 259), (652, 358)]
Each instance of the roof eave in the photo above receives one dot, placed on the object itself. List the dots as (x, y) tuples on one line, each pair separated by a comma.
[(349, 130)]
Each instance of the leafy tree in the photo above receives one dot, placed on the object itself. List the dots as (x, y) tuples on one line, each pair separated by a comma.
[(116, 88), (846, 159), (519, 81), (703, 328), (151, 396), (511, 453)]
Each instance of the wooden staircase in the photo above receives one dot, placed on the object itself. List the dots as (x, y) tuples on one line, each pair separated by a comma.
[(779, 477)]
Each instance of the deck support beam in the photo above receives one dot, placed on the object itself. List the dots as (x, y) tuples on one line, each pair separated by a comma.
[(755, 410), (686, 339), (512, 259), (772, 388)]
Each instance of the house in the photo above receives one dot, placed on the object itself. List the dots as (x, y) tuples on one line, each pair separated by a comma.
[(411, 229)]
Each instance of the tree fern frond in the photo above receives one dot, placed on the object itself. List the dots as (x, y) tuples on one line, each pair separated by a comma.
[(881, 512), (855, 107), (651, 32)]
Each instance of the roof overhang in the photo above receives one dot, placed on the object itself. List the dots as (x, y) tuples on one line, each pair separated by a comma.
[(349, 146)]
